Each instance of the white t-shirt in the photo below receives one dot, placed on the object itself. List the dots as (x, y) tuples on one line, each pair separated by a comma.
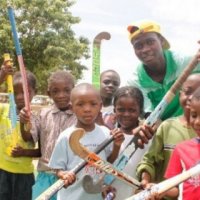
[(63, 158), (124, 190)]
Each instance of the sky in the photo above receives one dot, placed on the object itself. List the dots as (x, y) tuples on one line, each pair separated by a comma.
[(179, 21)]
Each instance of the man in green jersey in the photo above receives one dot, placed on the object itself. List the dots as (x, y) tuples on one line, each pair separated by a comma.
[(159, 67)]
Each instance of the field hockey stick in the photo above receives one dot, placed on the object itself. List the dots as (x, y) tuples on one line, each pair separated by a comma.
[(120, 163), (166, 185), (20, 61), (160, 108), (12, 108), (153, 118), (96, 161), (60, 183), (96, 57)]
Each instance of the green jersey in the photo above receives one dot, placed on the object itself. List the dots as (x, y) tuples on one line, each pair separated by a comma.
[(154, 92)]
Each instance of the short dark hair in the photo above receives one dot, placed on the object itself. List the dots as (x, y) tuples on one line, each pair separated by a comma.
[(59, 74), (107, 71), (31, 79)]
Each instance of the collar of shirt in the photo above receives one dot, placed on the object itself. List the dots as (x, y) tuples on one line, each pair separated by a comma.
[(55, 110), (145, 79)]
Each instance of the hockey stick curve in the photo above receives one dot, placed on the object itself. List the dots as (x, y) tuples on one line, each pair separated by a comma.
[(96, 56), (47, 194), (96, 161)]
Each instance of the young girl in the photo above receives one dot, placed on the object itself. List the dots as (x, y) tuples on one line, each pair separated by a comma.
[(128, 108), (52, 121), (16, 171), (187, 155), (86, 104), (169, 134)]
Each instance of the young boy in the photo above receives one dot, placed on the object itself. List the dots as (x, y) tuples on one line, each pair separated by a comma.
[(86, 104), (16, 171), (186, 155), (51, 122), (171, 132), (109, 83)]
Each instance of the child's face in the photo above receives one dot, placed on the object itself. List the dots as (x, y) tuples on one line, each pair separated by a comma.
[(86, 105), (19, 94), (60, 91), (195, 115), (127, 112), (109, 84), (189, 86)]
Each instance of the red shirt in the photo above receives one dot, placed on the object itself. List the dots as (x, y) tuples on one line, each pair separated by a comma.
[(185, 156)]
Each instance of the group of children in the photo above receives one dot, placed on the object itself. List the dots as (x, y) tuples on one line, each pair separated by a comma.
[(113, 110)]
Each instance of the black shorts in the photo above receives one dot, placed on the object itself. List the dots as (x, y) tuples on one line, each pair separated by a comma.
[(15, 186)]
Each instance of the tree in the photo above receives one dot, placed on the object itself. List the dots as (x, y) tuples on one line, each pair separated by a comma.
[(47, 39)]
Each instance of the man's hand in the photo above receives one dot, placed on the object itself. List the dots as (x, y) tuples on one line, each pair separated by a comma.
[(145, 133)]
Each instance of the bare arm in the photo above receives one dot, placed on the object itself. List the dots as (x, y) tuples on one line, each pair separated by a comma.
[(118, 139), (24, 119), (19, 152)]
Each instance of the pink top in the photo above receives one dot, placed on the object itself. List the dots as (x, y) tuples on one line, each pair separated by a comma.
[(51, 122)]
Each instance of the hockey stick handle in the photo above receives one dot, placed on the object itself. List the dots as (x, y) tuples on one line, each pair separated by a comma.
[(186, 72), (9, 79), (19, 57), (166, 185), (123, 159), (160, 108), (47, 194), (101, 164)]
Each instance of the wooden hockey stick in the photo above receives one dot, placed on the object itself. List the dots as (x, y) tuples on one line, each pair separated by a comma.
[(60, 183), (160, 108), (120, 163), (96, 58), (96, 161), (166, 185)]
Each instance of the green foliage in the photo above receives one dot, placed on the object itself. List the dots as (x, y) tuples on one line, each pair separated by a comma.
[(47, 39)]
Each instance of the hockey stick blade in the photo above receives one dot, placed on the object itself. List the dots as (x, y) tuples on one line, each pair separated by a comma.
[(96, 161), (120, 164), (47, 194)]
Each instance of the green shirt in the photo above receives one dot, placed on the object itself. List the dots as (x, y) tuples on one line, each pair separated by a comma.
[(153, 91)]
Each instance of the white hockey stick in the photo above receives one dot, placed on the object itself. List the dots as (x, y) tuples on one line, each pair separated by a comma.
[(167, 184)]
